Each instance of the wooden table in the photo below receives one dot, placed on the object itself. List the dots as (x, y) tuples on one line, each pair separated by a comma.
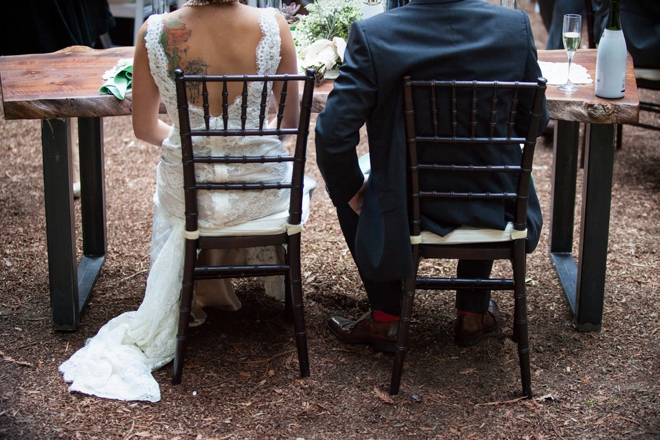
[(55, 87), (584, 279)]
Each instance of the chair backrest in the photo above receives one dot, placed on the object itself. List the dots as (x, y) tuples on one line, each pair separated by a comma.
[(478, 116), (301, 131)]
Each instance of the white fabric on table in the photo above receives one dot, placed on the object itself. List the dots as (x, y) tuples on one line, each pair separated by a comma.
[(556, 73)]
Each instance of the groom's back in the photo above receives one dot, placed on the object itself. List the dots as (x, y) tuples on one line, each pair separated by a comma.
[(468, 39)]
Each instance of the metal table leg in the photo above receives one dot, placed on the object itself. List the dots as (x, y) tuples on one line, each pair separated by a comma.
[(92, 198), (71, 284), (583, 281), (562, 208), (594, 227)]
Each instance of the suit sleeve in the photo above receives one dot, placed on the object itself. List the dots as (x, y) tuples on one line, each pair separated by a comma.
[(338, 126), (532, 74)]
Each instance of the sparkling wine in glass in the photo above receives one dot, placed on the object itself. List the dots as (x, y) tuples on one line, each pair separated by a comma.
[(572, 34)]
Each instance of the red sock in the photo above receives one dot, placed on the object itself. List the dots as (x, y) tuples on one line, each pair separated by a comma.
[(462, 312), (380, 316)]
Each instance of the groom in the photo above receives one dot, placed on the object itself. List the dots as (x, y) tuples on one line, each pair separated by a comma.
[(429, 39)]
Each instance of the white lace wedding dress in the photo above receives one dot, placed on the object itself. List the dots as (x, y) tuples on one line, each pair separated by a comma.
[(117, 362)]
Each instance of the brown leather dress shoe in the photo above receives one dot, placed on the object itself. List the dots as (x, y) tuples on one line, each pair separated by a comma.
[(379, 335), (470, 329)]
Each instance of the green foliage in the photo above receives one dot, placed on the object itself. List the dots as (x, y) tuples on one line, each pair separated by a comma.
[(327, 19)]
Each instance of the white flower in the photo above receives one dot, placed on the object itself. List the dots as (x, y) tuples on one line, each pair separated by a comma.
[(340, 45), (323, 54)]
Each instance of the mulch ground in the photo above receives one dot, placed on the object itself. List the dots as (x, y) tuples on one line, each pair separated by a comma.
[(241, 378)]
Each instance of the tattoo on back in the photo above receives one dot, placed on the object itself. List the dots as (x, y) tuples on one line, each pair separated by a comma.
[(174, 40), (195, 67)]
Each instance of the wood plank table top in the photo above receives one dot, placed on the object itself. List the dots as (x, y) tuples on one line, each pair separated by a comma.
[(584, 105), (66, 84), (61, 84)]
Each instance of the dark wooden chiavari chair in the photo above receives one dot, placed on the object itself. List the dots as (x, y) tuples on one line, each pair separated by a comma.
[(289, 236), (445, 114)]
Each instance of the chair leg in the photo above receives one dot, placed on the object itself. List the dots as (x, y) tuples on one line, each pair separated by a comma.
[(184, 308), (288, 296), (520, 317), (402, 334), (295, 283)]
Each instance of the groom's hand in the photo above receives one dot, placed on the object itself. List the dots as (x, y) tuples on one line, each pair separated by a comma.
[(356, 202)]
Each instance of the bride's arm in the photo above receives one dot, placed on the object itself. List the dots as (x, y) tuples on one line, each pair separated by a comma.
[(288, 64), (146, 98)]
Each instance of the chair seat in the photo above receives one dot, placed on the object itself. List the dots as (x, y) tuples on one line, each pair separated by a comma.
[(467, 234), (647, 74), (270, 225)]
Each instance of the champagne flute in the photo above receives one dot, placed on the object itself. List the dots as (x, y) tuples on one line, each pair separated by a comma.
[(572, 34), (508, 3)]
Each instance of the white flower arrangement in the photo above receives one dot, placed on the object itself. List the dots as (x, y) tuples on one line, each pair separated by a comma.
[(322, 35), (327, 19)]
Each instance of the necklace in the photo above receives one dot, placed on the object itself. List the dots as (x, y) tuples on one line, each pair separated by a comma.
[(206, 2)]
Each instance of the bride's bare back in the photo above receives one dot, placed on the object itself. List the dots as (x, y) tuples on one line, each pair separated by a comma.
[(215, 39)]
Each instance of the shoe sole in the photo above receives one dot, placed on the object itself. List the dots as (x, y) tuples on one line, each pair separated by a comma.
[(467, 342), (379, 346)]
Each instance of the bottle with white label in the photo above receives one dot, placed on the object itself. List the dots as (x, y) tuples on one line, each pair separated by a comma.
[(611, 57)]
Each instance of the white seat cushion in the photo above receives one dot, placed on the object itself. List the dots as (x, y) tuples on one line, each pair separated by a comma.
[(648, 74), (270, 225), (467, 234)]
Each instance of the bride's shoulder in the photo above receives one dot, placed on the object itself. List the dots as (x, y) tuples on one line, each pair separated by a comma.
[(174, 16), (176, 25)]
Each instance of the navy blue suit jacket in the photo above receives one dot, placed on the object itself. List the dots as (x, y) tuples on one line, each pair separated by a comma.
[(430, 39)]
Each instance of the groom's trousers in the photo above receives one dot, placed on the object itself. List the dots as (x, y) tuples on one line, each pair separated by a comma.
[(387, 295)]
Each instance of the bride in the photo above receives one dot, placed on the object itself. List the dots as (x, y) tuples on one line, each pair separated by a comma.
[(210, 37)]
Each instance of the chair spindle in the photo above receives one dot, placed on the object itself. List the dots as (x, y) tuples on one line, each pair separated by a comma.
[(244, 105), (473, 112), (493, 112), (225, 105), (205, 104), (280, 110), (263, 106)]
